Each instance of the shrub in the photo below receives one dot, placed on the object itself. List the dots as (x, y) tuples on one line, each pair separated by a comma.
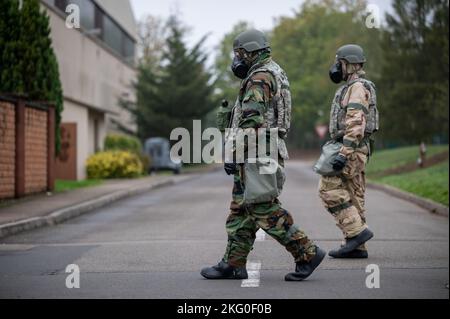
[(28, 64), (113, 164), (123, 143), (120, 142), (146, 162)]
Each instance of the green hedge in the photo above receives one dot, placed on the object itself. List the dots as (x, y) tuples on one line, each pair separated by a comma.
[(120, 142)]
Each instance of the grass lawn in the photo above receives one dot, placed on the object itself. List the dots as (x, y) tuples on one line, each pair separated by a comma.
[(61, 185), (391, 158), (431, 182)]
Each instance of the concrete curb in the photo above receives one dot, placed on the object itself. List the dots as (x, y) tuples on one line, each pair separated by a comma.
[(66, 213), (429, 205)]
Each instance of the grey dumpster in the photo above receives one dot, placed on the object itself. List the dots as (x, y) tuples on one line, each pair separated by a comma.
[(158, 148)]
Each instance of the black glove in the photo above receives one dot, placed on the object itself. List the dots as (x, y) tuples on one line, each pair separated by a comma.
[(339, 162), (230, 168)]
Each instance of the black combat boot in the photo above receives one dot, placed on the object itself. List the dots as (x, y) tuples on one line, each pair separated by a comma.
[(304, 269), (354, 242), (224, 271), (357, 253)]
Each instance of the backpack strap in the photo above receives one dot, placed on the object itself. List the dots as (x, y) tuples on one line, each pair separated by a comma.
[(248, 79)]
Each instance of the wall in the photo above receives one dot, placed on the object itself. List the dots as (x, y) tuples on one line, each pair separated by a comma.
[(91, 75), (74, 113), (35, 150), (7, 149), (93, 78), (27, 147), (97, 131)]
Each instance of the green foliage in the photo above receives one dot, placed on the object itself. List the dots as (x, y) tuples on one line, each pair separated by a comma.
[(11, 79), (123, 143), (177, 92), (397, 157), (113, 164), (28, 64), (414, 83), (305, 47), (408, 61), (63, 185), (120, 142), (146, 161), (431, 182), (226, 82)]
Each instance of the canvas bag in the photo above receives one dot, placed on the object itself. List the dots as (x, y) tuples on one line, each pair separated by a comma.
[(329, 152)]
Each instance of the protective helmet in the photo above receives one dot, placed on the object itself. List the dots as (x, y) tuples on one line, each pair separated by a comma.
[(352, 53), (250, 41)]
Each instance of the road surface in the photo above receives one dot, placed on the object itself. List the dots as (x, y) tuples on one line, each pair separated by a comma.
[(154, 245)]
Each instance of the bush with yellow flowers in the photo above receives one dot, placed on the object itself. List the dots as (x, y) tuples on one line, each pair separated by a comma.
[(121, 142), (113, 164)]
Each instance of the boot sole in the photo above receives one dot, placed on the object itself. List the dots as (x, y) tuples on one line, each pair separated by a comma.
[(221, 278), (321, 255), (349, 256)]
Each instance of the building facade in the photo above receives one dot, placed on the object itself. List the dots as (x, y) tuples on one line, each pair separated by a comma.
[(97, 68)]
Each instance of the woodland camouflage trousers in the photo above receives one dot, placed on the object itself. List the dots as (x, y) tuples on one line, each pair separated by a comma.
[(244, 221)]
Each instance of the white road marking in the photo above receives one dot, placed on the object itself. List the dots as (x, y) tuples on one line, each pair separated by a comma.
[(253, 275), (260, 235)]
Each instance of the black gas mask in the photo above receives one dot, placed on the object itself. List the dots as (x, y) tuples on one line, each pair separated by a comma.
[(335, 72), (239, 67)]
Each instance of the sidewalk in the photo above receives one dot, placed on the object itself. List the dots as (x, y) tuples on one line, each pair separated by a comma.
[(42, 210)]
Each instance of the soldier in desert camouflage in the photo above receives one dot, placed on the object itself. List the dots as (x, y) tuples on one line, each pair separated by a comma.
[(353, 119)]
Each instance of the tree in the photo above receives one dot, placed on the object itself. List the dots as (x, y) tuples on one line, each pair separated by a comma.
[(152, 32), (28, 64), (414, 83), (10, 74), (226, 82), (305, 47), (175, 92)]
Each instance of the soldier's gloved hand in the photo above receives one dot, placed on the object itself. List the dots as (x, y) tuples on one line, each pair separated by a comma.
[(230, 168), (339, 162)]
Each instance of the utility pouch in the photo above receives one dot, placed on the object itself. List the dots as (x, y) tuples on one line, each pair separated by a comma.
[(223, 116), (329, 152), (263, 180)]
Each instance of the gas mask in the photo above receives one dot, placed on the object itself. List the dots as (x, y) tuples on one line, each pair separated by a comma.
[(239, 67), (335, 73)]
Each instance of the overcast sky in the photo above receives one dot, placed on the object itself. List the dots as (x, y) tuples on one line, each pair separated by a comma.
[(217, 17)]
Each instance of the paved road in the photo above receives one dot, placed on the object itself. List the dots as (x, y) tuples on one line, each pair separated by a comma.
[(153, 246)]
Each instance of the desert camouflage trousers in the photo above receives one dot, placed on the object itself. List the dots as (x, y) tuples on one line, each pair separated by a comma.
[(343, 196), (244, 221)]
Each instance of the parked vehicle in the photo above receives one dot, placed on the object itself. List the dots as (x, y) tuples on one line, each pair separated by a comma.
[(158, 148)]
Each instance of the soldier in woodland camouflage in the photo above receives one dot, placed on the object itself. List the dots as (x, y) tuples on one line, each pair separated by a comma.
[(264, 101), (353, 119)]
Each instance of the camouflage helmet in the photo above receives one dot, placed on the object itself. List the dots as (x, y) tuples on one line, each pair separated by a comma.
[(250, 41), (352, 53)]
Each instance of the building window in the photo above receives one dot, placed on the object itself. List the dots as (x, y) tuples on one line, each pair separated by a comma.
[(93, 17), (99, 22), (87, 13), (61, 5), (128, 47), (112, 34)]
